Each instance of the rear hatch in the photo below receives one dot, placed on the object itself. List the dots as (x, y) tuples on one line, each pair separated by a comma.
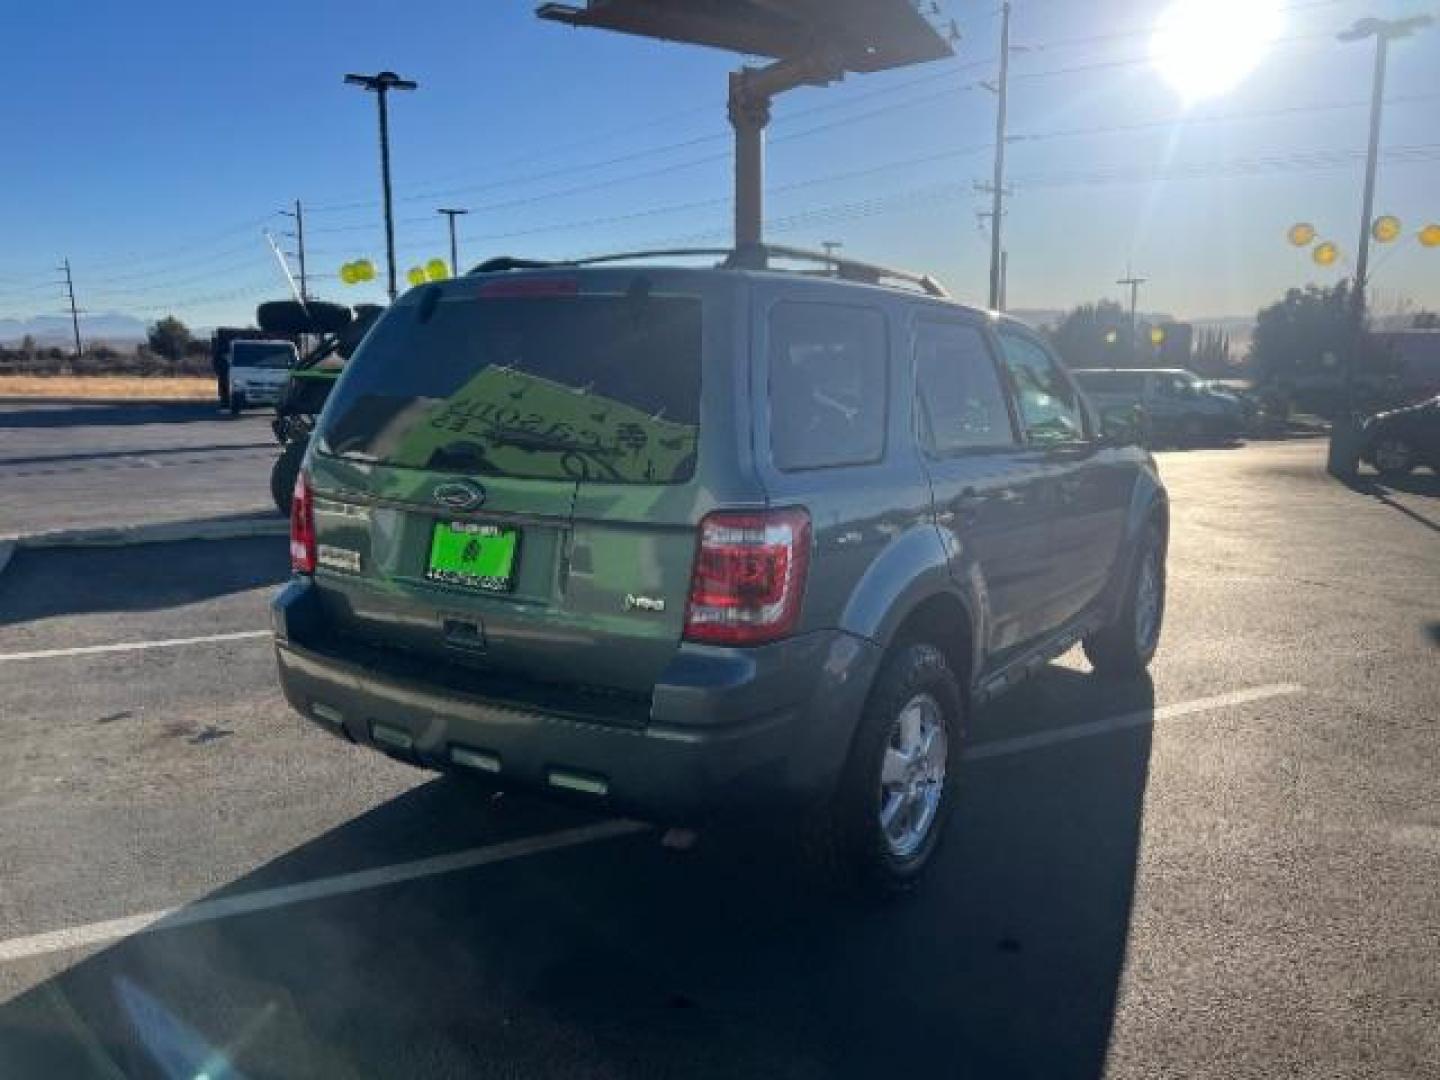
[(505, 479)]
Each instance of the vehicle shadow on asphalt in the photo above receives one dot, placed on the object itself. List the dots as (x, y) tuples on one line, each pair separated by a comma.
[(1382, 490), (44, 584), (80, 413), (620, 959)]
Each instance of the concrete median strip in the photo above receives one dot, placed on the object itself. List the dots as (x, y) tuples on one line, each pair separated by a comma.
[(225, 907), (169, 532)]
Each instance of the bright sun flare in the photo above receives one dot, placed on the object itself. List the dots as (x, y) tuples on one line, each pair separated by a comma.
[(1205, 47)]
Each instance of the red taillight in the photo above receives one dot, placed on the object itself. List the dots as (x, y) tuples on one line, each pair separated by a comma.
[(749, 577), (302, 528)]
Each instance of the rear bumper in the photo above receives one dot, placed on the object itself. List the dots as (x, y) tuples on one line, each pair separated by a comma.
[(727, 728)]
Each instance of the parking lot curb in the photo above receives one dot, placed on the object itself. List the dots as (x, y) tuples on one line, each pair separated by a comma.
[(129, 535)]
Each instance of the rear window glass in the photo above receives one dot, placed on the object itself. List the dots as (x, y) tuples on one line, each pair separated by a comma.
[(827, 385), (603, 388), (261, 356)]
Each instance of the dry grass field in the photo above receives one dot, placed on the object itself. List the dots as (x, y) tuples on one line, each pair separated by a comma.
[(130, 387)]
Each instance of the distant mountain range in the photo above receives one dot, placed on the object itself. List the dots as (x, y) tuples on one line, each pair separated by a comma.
[(111, 328)]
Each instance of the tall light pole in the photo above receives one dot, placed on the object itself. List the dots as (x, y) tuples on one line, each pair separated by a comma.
[(381, 84), (1344, 453), (1383, 31), (452, 214)]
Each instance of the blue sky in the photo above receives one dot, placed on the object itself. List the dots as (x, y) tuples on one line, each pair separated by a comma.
[(152, 142)]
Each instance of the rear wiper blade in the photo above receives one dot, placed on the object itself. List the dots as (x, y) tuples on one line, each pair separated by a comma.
[(535, 440)]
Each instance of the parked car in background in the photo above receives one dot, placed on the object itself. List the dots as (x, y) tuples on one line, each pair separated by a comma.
[(1178, 405), (1398, 441), (257, 372), (528, 548)]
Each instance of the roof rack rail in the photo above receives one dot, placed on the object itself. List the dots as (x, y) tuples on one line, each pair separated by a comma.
[(731, 259), (855, 270)]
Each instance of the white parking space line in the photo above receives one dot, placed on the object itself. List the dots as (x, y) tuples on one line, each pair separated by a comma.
[(1042, 739), (132, 646), (204, 911)]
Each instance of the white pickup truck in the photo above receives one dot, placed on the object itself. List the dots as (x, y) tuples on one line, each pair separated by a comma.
[(258, 372)]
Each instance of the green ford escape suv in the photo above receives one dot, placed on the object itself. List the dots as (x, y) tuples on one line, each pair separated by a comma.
[(681, 540)]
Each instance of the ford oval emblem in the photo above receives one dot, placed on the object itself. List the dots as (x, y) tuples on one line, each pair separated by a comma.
[(459, 495)]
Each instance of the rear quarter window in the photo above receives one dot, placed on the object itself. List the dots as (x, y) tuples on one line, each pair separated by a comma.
[(828, 382)]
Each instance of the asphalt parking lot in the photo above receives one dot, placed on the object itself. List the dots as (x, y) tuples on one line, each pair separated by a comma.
[(1227, 869), (73, 465)]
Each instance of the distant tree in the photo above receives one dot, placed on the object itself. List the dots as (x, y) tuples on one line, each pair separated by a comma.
[(27, 345), (1212, 353), (1093, 335), (168, 337), (1306, 331)]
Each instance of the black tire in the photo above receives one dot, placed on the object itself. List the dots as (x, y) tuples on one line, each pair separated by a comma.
[(1123, 649), (852, 839), (1393, 457), (1192, 430), (236, 404), (285, 472), (288, 317)]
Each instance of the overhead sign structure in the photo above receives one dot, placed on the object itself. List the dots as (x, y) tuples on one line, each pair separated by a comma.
[(863, 35), (810, 43)]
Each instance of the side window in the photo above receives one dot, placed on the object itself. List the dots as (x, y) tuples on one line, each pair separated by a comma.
[(828, 383), (959, 399), (1049, 408)]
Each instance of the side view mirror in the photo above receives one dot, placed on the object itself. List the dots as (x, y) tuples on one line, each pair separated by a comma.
[(1122, 425)]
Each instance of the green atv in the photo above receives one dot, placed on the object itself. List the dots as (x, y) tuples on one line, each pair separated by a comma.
[(338, 331)]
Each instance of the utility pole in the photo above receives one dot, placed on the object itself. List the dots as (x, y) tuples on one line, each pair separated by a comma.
[(1383, 31), (1004, 280), (380, 85), (1134, 282), (299, 215), (452, 214), (74, 311), (997, 187)]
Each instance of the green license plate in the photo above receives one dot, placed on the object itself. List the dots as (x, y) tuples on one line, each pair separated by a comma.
[(473, 556)]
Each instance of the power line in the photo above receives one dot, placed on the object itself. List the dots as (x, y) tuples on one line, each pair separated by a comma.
[(948, 74), (1242, 166), (952, 190), (158, 278)]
